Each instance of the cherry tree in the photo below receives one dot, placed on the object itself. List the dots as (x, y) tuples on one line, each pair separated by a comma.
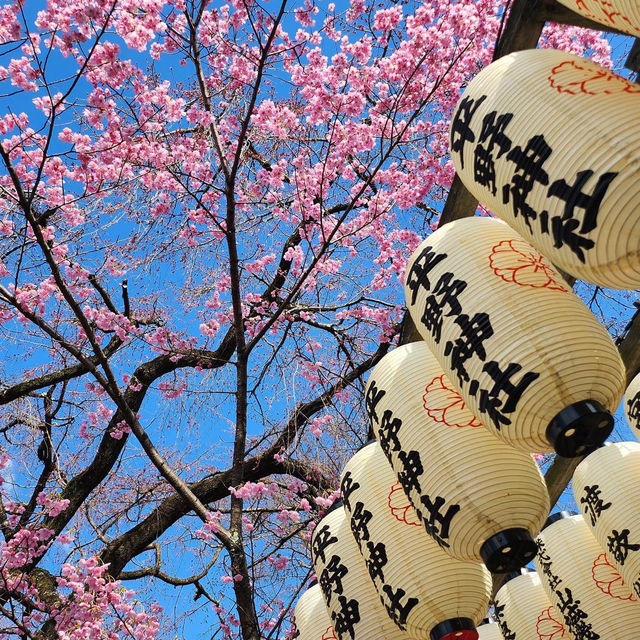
[(205, 214)]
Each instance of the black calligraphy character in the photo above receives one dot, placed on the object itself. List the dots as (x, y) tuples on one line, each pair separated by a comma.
[(445, 294), (376, 560), (474, 333), (331, 577), (393, 604), (564, 231), (437, 524), (418, 275), (575, 617), (507, 634), (388, 432), (411, 470), (360, 518), (461, 132), (491, 401), (633, 410), (321, 540), (373, 397), (492, 138), (529, 163), (545, 562), (553, 580), (347, 487), (418, 513), (619, 545), (593, 504), (345, 620), (636, 587), (565, 227)]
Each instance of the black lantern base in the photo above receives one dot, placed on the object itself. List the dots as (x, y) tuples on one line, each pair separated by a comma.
[(579, 428), (508, 550), (454, 629)]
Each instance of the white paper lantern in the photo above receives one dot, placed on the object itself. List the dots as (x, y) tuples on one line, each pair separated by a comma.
[(489, 631), (621, 15), (631, 405), (531, 361), (424, 590), (353, 603), (606, 487), (311, 617), (550, 143), (524, 611), (479, 498), (568, 561)]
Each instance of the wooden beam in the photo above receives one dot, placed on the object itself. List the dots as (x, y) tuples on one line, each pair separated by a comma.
[(460, 203), (630, 349), (523, 28), (633, 59)]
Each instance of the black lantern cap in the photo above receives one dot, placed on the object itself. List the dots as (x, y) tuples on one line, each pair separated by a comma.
[(336, 504), (579, 428), (508, 550), (516, 574), (454, 629), (558, 515), (368, 442)]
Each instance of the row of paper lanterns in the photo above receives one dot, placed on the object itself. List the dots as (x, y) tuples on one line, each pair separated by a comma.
[(381, 576), (509, 347), (587, 580)]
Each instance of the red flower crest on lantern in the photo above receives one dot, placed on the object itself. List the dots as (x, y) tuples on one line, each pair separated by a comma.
[(329, 634), (608, 579), (569, 77), (548, 627), (518, 262), (400, 506), (603, 11), (444, 404)]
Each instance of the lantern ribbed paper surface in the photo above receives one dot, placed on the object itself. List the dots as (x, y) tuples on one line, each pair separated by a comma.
[(606, 487), (621, 15), (353, 603), (550, 142), (524, 611), (479, 498), (631, 405), (311, 617), (489, 631), (531, 361), (569, 562), (424, 590)]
